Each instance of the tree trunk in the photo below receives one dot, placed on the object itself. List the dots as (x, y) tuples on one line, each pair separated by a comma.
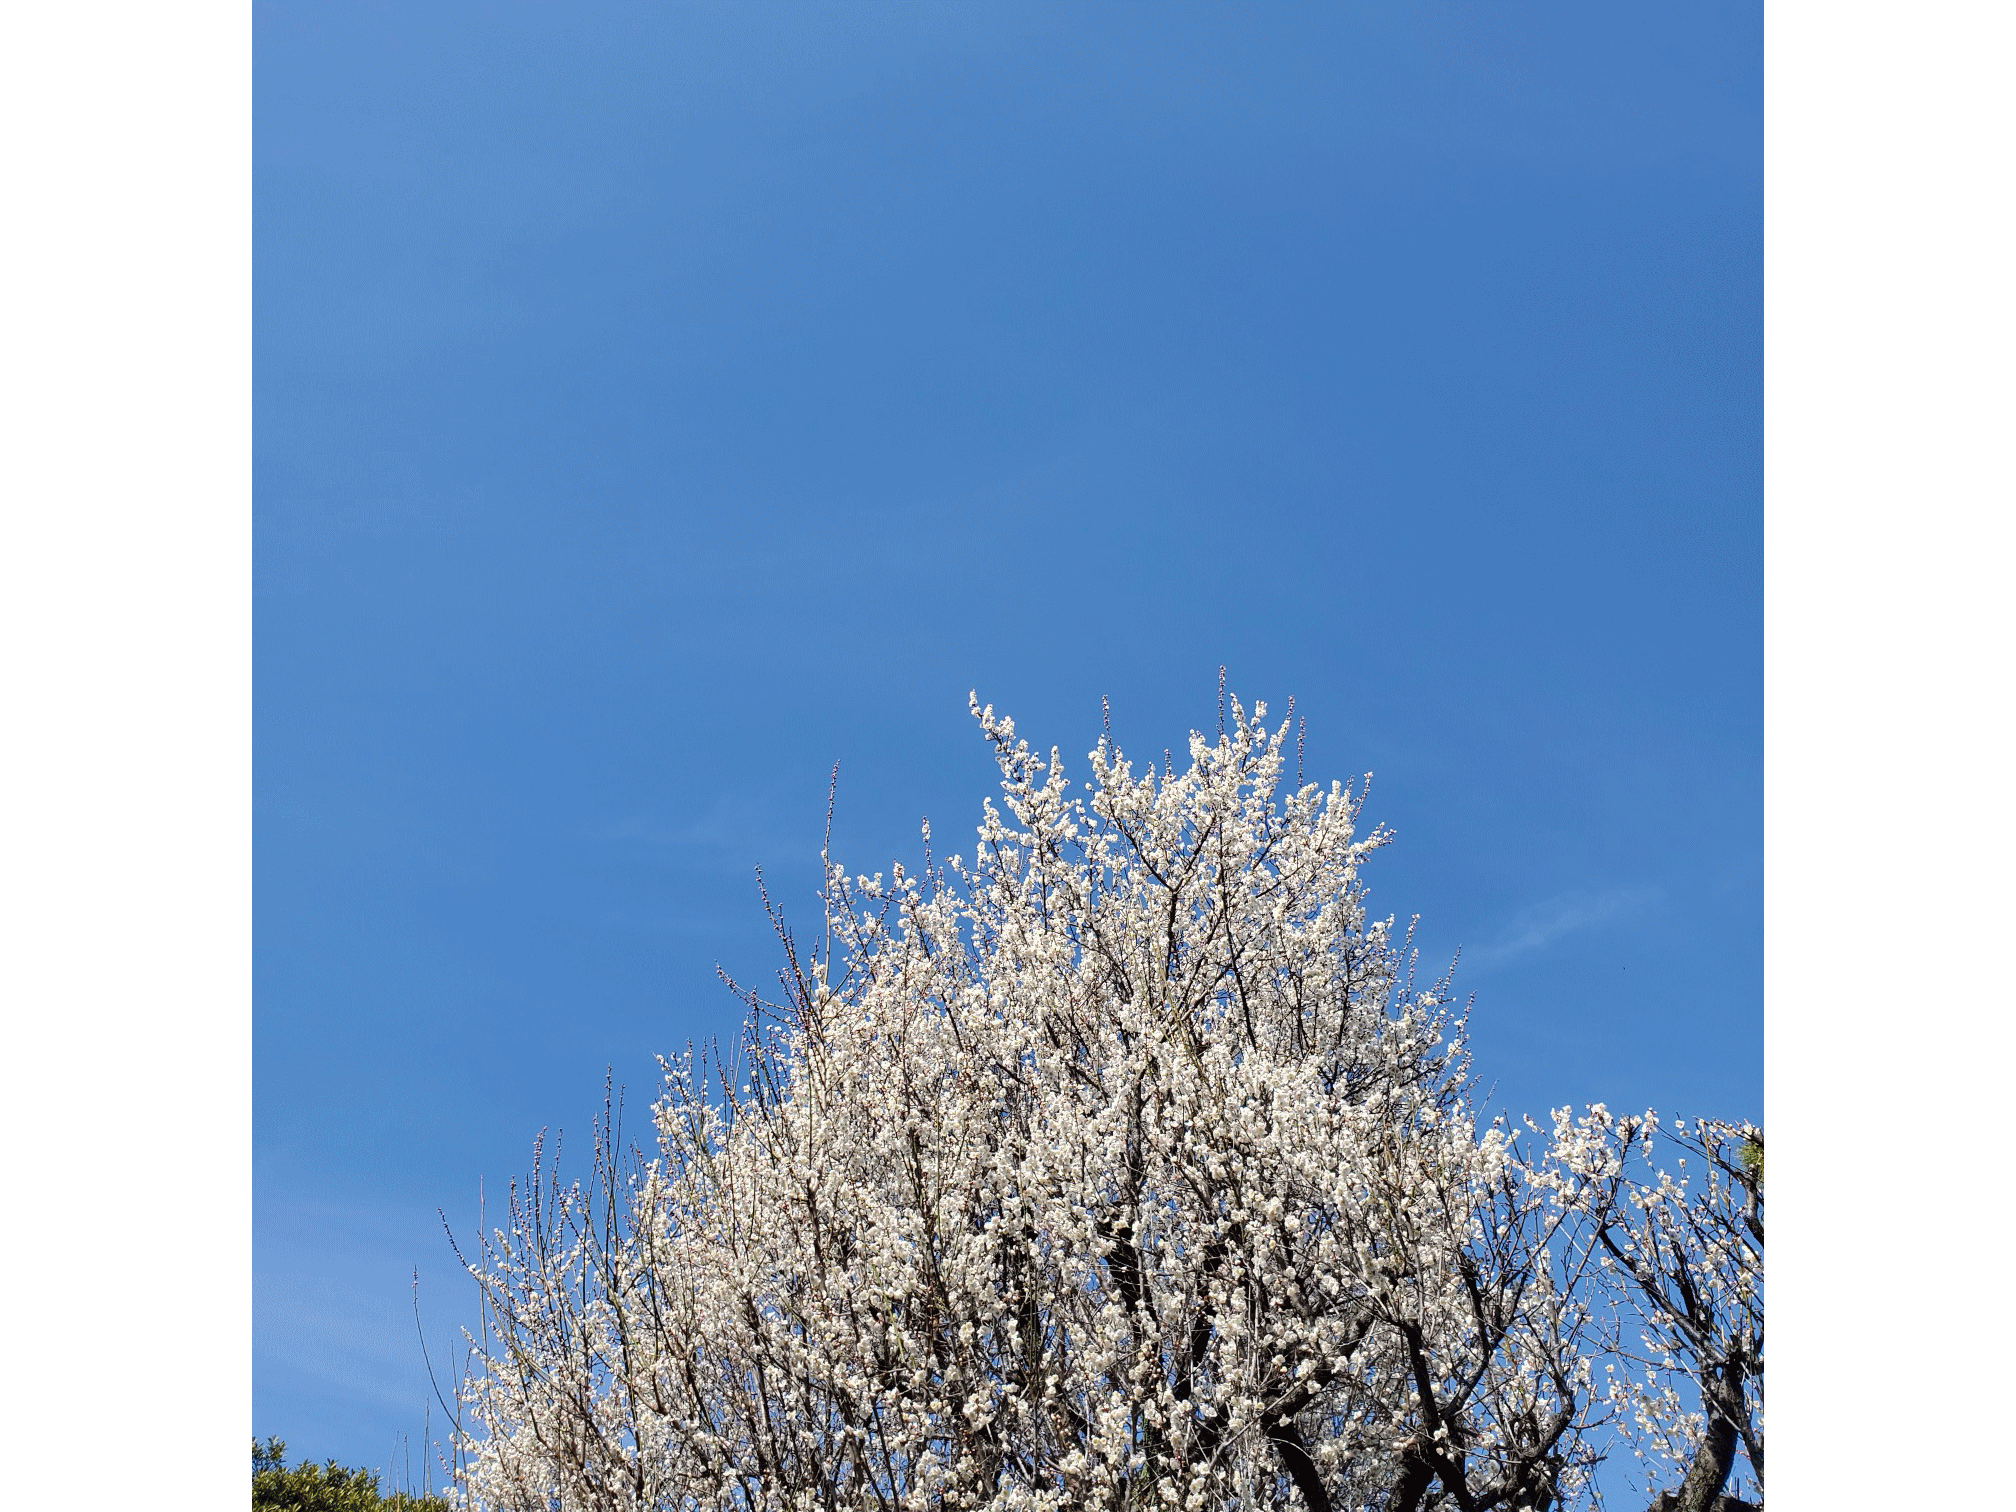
[(1415, 1478), (1287, 1441), (1701, 1491)]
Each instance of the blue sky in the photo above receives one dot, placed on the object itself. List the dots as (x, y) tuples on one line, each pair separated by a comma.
[(656, 405)]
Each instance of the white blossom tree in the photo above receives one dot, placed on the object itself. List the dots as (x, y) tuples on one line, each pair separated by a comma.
[(1681, 1256), (1125, 1165)]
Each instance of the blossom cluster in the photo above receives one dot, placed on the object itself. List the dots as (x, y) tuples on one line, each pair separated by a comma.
[(1125, 1164)]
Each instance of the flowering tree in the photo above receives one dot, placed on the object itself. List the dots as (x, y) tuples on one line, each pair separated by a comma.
[(1125, 1165), (1684, 1255)]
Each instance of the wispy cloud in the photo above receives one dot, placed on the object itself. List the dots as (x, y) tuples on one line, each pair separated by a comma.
[(706, 859), (1541, 926), (734, 831), (333, 1302)]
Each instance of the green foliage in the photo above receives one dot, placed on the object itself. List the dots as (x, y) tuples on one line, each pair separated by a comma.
[(323, 1488), (1752, 1157)]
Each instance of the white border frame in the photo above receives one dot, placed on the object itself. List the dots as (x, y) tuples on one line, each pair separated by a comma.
[(1889, 250), (125, 749)]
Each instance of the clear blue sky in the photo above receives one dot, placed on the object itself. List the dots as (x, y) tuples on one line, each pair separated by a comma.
[(657, 404)]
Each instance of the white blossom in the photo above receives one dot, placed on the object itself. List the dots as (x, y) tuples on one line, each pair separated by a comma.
[(1126, 1164)]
